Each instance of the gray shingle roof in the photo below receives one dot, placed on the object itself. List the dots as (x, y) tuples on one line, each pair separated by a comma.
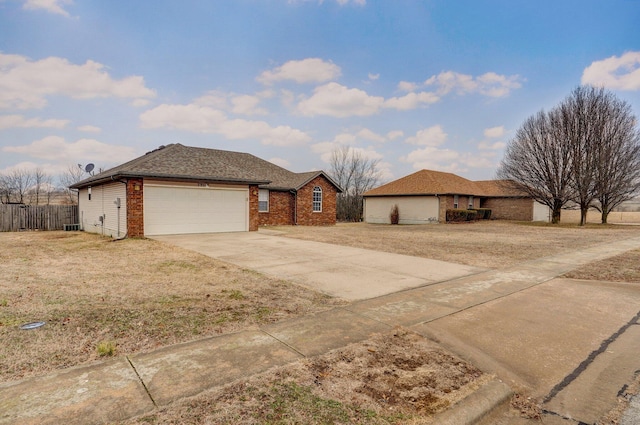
[(178, 162)]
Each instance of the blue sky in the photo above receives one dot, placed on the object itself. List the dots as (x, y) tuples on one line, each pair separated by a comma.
[(440, 85)]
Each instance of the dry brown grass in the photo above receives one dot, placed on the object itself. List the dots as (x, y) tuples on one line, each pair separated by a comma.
[(396, 377), (491, 244), (138, 294)]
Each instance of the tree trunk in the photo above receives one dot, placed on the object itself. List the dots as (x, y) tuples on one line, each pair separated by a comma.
[(605, 215), (555, 214), (583, 216)]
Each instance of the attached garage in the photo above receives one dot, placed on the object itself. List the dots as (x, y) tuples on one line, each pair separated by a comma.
[(179, 210), (412, 209)]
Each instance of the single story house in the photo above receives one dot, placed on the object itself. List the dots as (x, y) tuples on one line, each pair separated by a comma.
[(424, 197), (178, 189)]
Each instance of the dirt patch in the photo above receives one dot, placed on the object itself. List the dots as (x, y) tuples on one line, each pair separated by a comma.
[(133, 295), (621, 268), (391, 378), (490, 244)]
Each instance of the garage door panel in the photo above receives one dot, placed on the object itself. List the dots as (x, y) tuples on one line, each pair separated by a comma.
[(176, 210)]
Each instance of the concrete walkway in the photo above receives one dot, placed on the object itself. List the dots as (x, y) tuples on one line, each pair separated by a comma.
[(572, 343)]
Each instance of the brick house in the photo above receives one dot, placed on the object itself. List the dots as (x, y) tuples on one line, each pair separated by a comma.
[(424, 197), (179, 189)]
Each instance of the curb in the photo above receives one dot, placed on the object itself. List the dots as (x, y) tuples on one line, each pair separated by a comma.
[(477, 405)]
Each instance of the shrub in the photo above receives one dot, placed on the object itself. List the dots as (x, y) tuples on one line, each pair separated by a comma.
[(394, 215), (482, 213), (458, 215)]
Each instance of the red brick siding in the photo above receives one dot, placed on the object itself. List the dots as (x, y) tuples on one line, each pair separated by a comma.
[(254, 219), (135, 208), (520, 209), (305, 214), (281, 210)]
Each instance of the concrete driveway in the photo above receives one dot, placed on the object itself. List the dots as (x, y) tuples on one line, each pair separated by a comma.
[(344, 272)]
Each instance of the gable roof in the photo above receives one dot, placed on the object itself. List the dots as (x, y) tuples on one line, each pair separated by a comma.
[(500, 189), (427, 182), (178, 162)]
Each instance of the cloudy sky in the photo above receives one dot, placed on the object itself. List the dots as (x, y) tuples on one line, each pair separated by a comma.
[(418, 84)]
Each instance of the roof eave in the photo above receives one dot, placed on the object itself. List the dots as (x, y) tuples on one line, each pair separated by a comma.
[(126, 175)]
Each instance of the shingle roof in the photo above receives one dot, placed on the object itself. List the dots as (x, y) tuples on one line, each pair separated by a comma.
[(499, 188), (178, 162), (429, 182)]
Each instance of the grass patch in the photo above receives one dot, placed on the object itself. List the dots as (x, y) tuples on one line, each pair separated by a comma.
[(106, 348)]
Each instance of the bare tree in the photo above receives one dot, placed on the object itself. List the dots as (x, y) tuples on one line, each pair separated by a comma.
[(15, 185), (617, 171), (580, 120), (537, 163), (41, 189), (73, 175), (356, 174)]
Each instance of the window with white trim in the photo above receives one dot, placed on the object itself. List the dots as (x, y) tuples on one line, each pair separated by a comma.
[(470, 202), (317, 199), (263, 200), (456, 199)]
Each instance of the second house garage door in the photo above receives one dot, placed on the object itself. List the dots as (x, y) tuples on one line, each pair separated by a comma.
[(176, 210)]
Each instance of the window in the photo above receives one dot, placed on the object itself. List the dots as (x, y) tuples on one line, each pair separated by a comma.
[(317, 199), (263, 200), (89, 191), (455, 201), (470, 202)]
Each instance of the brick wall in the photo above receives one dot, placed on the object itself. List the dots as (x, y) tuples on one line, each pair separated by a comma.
[(135, 208), (520, 209), (305, 214), (281, 210), (254, 219)]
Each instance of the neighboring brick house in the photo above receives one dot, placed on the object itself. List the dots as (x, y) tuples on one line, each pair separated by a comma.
[(424, 197), (179, 189)]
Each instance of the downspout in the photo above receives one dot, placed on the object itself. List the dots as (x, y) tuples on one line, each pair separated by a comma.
[(126, 183), (295, 206)]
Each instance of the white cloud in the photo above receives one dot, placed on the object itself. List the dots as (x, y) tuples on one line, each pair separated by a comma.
[(617, 73), (19, 121), (204, 119), (247, 105), (432, 136), (488, 84), (392, 135), (26, 84), (54, 148), (411, 101), (280, 162), (407, 86), (432, 158), (311, 70), (344, 2), (53, 6), (373, 77), (89, 129), (491, 146), (494, 132), (339, 101)]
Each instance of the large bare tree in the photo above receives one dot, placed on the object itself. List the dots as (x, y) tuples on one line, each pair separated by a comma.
[(617, 171), (585, 150), (538, 164), (356, 174), (15, 184)]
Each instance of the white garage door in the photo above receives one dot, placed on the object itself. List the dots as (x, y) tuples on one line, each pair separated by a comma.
[(176, 210), (412, 209)]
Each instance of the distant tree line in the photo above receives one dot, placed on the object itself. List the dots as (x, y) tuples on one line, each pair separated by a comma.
[(584, 152), (37, 187)]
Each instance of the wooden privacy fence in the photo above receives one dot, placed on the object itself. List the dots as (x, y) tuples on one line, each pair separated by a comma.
[(15, 218)]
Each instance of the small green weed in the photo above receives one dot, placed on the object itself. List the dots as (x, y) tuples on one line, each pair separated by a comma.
[(106, 348), (4, 302), (236, 295)]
